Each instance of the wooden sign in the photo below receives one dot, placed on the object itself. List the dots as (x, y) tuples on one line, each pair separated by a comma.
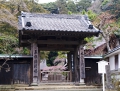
[(101, 66), (35, 63), (82, 62)]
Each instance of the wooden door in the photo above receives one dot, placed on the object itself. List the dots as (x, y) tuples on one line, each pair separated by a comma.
[(21, 74), (91, 71)]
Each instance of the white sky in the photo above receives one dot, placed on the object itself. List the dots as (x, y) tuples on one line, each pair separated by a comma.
[(46, 1)]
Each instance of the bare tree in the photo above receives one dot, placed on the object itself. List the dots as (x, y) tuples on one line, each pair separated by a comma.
[(106, 20)]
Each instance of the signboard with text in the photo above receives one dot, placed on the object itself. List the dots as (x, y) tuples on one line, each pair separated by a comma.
[(101, 66), (35, 62)]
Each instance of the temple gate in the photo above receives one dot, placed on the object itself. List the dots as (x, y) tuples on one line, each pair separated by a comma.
[(56, 32)]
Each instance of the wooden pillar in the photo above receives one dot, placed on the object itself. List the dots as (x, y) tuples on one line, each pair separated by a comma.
[(35, 64), (39, 71), (69, 65), (81, 64), (75, 63), (69, 61)]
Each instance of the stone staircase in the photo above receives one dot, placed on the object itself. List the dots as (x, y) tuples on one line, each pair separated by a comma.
[(52, 87)]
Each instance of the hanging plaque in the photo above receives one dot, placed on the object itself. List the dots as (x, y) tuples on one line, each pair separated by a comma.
[(35, 62)]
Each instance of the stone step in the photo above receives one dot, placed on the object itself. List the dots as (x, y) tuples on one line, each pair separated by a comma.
[(46, 87), (65, 90), (49, 87), (61, 83)]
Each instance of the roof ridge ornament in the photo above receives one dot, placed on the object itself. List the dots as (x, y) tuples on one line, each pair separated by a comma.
[(86, 17), (22, 15), (90, 26), (28, 24)]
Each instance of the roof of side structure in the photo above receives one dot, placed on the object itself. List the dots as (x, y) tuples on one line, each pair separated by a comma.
[(114, 51)]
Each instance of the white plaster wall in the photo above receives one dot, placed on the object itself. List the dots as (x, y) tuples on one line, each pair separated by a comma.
[(112, 62), (119, 60)]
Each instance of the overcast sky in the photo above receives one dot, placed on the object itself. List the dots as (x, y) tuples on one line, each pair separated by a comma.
[(46, 1)]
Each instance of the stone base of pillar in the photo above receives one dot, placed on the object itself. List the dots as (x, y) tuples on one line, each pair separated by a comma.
[(82, 82), (76, 83), (34, 84), (35, 81)]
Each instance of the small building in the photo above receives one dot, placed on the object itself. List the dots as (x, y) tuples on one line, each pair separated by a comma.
[(15, 69), (113, 69), (43, 64), (92, 56), (113, 57)]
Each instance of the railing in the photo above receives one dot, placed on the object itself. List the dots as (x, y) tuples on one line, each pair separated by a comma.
[(56, 76)]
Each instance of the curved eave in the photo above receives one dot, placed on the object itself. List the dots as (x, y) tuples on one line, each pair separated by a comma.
[(2, 56), (89, 33), (112, 52), (65, 30), (93, 57)]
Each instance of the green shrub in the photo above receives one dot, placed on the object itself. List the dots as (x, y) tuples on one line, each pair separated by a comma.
[(105, 2), (92, 16)]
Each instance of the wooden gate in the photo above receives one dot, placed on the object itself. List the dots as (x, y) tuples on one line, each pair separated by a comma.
[(21, 74), (55, 76)]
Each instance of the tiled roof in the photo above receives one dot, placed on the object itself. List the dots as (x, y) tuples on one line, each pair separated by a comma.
[(55, 22), (113, 51), (98, 51)]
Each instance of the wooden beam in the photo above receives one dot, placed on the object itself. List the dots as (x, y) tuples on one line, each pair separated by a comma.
[(53, 42), (56, 49)]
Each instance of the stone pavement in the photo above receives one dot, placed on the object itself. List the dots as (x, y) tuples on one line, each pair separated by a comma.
[(52, 87)]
